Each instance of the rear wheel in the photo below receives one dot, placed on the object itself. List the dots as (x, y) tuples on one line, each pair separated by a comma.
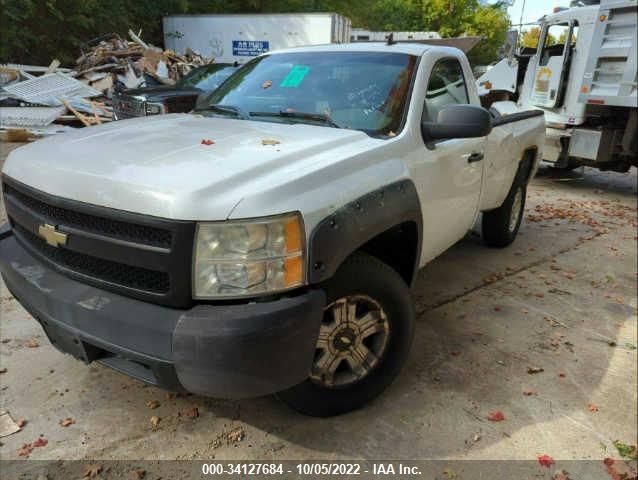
[(363, 342)]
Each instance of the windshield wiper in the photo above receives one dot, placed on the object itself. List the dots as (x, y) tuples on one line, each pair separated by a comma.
[(299, 115), (218, 107)]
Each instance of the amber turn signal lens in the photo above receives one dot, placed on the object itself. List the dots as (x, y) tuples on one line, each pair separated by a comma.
[(293, 236), (293, 271)]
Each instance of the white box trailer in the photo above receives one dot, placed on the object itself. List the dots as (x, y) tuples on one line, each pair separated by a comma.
[(240, 37)]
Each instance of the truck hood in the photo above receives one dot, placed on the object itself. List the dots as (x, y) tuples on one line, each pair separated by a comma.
[(163, 166)]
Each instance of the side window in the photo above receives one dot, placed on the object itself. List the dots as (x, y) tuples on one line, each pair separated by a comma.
[(554, 44), (445, 87)]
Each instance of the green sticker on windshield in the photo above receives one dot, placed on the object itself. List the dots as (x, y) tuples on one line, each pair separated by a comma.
[(295, 76)]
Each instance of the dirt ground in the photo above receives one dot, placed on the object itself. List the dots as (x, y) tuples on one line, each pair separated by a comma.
[(561, 300)]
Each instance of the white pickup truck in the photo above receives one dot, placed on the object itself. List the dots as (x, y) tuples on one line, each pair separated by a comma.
[(266, 242)]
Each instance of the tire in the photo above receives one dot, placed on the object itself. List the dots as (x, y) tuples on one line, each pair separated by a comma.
[(500, 226), (369, 283)]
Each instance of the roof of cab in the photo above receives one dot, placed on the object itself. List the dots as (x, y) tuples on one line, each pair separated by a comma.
[(408, 48)]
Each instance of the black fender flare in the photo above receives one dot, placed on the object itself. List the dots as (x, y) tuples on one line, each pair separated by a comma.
[(352, 225)]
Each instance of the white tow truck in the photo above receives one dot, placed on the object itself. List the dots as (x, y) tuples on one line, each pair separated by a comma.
[(266, 242), (583, 76)]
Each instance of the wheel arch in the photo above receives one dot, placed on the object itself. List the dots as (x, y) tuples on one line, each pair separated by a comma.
[(529, 162), (385, 223)]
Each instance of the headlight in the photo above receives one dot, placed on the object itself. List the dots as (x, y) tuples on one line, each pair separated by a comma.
[(154, 108), (244, 258)]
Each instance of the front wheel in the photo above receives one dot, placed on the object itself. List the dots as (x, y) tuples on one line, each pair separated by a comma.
[(363, 342)]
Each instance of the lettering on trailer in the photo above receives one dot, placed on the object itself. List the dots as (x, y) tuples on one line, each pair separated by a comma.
[(249, 48)]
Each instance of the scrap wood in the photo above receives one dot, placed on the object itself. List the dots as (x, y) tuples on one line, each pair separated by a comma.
[(15, 135), (78, 115), (53, 66), (32, 68), (7, 425)]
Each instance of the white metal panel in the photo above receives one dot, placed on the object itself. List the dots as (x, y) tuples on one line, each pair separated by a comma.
[(47, 89), (29, 116), (213, 35), (610, 75)]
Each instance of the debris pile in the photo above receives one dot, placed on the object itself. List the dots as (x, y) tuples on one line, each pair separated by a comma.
[(110, 60), (37, 101)]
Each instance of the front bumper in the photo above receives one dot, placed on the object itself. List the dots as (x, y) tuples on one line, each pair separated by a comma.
[(226, 351)]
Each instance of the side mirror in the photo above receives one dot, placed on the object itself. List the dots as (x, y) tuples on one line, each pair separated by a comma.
[(458, 121)]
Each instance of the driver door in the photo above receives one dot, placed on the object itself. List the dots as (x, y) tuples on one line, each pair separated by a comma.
[(554, 55), (449, 173)]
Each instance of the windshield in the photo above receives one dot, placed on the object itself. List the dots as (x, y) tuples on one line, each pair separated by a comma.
[(207, 78), (358, 90)]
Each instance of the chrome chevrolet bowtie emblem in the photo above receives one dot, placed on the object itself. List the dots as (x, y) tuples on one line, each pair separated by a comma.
[(52, 236)]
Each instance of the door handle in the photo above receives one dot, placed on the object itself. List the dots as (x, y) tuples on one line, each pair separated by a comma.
[(475, 157)]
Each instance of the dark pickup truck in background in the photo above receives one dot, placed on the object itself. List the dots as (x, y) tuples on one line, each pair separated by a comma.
[(178, 98)]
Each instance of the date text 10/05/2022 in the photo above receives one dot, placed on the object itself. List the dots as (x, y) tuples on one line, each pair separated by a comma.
[(309, 469)]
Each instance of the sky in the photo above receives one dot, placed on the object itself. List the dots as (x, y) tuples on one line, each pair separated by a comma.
[(534, 9)]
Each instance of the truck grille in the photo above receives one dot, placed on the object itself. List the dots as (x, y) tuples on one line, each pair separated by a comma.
[(125, 106), (136, 255), (112, 228), (111, 272)]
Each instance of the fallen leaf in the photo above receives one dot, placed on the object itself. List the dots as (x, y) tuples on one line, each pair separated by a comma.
[(192, 412), (533, 370), (21, 422), (66, 422), (455, 354), (137, 474), (31, 343), (627, 451), (528, 392), (545, 460), (591, 407), (449, 473), (152, 404), (40, 442), (155, 420), (170, 396), (619, 469), (267, 141), (266, 84), (496, 416), (25, 450), (497, 309), (92, 470), (562, 375), (235, 435), (207, 141), (561, 475)]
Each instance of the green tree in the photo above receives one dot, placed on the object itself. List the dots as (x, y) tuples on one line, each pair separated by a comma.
[(36, 31), (529, 38), (453, 18)]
